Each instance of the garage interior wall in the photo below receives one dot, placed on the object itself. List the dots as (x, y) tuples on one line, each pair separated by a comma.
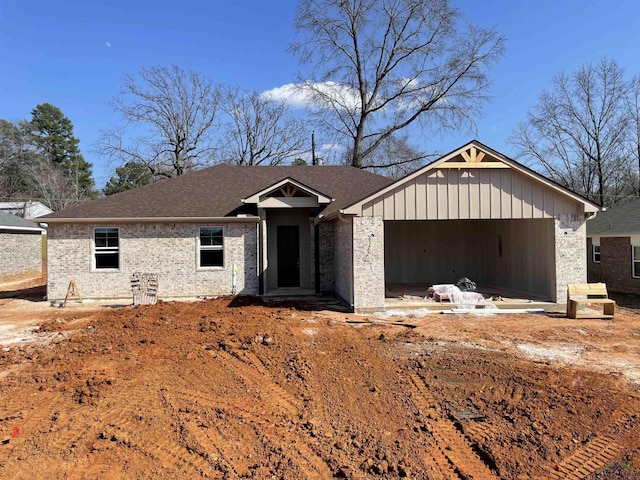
[(514, 254)]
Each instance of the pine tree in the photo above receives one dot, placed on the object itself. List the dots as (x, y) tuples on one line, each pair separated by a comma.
[(53, 134), (130, 175)]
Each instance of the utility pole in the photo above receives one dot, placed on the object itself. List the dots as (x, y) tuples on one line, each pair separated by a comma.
[(313, 148)]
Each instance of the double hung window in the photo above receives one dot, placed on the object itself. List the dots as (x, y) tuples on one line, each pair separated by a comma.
[(211, 248), (106, 241)]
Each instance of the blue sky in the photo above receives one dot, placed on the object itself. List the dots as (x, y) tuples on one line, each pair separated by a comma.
[(74, 54)]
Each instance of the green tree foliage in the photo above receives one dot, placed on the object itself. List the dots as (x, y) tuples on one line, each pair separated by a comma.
[(53, 135), (130, 175), (40, 159), (16, 154)]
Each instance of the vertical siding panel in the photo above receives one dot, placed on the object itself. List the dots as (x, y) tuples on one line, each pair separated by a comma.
[(421, 197), (527, 198), (432, 195), (506, 193), (549, 198), (496, 197), (463, 194), (367, 210), (516, 195), (378, 209), (410, 201), (453, 195), (538, 201), (399, 201), (485, 194), (474, 193), (389, 209), (443, 185)]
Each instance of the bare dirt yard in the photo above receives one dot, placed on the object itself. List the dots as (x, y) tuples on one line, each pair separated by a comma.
[(236, 388)]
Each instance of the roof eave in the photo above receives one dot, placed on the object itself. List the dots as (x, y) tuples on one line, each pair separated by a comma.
[(239, 219)]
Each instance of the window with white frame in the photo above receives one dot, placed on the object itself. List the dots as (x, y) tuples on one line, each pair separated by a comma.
[(596, 253), (106, 248), (211, 247), (635, 253)]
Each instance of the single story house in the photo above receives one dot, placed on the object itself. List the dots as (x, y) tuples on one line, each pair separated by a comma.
[(21, 244), (613, 247), (277, 230)]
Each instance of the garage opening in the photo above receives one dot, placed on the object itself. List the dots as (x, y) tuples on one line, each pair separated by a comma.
[(511, 256)]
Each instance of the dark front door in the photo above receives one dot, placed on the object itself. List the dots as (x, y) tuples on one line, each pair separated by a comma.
[(288, 256)]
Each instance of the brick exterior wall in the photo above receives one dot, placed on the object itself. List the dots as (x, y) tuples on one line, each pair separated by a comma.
[(368, 264), (170, 250), (327, 265), (594, 271), (571, 263), (343, 259), (20, 255), (615, 267)]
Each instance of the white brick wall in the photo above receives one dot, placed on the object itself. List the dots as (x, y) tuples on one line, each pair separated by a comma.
[(170, 250), (20, 254), (571, 261), (368, 264), (343, 259)]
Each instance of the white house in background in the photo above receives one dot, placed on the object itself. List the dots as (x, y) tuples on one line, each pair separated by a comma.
[(28, 209)]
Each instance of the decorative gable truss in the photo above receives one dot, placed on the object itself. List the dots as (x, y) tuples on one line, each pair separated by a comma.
[(473, 158), (288, 193)]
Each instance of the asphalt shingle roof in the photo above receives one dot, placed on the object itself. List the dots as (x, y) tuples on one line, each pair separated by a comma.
[(8, 220), (217, 192), (619, 220)]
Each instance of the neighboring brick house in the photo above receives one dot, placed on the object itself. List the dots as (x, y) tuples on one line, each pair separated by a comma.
[(20, 248), (295, 229), (613, 247)]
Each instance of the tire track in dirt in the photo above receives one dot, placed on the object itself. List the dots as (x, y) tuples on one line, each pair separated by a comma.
[(28, 420), (596, 454), (451, 454), (583, 462), (275, 399), (260, 376), (209, 437), (478, 431)]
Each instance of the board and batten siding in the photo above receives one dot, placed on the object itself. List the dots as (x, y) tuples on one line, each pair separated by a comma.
[(463, 194)]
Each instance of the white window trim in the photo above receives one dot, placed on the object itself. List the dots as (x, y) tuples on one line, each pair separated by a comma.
[(634, 261), (593, 253), (222, 247), (95, 250)]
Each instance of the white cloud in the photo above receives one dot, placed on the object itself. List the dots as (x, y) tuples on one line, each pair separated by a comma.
[(311, 94), (108, 44)]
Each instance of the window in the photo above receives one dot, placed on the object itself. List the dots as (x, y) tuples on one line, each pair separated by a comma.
[(596, 253), (211, 247), (636, 260), (106, 248)]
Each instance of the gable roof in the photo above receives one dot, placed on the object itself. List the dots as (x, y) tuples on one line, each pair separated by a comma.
[(217, 191), (620, 220), (489, 158), (13, 222)]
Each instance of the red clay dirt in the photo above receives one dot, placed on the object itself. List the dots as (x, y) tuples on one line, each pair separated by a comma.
[(234, 388)]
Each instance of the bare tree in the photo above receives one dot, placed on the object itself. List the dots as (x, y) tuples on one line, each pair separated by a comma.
[(577, 131), (259, 129), (395, 157), (381, 65), (633, 106), (49, 183), (171, 112)]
